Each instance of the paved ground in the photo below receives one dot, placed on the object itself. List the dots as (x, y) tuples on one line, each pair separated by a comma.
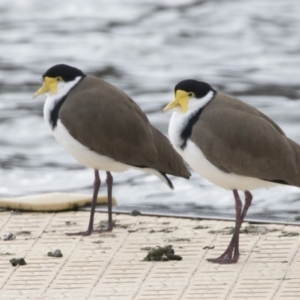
[(110, 266)]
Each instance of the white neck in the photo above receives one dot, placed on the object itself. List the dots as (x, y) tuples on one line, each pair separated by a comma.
[(180, 119), (63, 89)]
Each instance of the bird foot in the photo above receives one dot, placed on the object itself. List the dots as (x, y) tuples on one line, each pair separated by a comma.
[(226, 257), (90, 231), (83, 233), (223, 261)]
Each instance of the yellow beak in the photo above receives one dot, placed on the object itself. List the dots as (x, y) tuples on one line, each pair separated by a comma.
[(50, 84), (181, 99)]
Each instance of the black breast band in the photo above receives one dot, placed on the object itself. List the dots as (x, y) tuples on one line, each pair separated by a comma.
[(187, 130)]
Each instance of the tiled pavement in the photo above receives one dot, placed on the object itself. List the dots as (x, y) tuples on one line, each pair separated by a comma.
[(110, 266)]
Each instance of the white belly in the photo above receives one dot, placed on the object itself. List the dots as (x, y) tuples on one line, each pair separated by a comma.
[(92, 159), (230, 181), (196, 159), (80, 152), (84, 155)]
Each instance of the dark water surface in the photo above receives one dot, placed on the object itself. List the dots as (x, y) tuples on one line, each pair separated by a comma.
[(246, 48)]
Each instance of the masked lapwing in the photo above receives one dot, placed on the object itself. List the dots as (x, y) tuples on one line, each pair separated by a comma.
[(104, 129), (232, 145)]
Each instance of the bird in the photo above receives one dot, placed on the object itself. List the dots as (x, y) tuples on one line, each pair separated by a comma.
[(231, 144), (104, 129)]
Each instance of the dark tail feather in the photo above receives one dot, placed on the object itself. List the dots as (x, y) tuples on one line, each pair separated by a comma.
[(168, 180), (170, 161)]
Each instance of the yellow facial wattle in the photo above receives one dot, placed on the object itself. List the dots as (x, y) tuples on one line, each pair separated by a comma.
[(50, 84), (181, 99)]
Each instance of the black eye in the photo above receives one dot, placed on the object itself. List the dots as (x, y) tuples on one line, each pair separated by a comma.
[(58, 79), (190, 94)]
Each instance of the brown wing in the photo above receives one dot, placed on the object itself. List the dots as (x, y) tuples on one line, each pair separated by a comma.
[(117, 126), (239, 139), (168, 160)]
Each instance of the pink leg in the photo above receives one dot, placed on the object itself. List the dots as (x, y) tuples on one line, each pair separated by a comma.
[(231, 254), (97, 183), (109, 182)]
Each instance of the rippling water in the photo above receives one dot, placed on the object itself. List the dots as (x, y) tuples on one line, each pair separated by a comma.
[(246, 48)]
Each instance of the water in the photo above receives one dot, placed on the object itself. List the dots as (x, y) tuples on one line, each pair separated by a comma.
[(246, 48)]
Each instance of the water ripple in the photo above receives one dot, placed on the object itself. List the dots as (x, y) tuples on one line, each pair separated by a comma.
[(249, 49)]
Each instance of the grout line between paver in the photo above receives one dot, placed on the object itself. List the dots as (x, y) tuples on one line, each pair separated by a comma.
[(63, 264), (15, 268), (241, 269), (184, 289), (9, 216), (153, 264), (110, 261), (7, 220), (283, 278), (144, 279), (12, 269)]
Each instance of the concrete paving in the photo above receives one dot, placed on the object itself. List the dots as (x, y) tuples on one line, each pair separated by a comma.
[(110, 266)]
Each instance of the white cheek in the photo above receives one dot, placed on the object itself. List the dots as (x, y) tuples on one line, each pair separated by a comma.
[(64, 87), (193, 103)]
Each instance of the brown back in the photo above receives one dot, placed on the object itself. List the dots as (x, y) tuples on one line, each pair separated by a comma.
[(107, 121), (237, 138)]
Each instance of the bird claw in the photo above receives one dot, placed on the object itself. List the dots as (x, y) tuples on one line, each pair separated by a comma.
[(223, 261), (83, 233), (226, 258), (90, 231)]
